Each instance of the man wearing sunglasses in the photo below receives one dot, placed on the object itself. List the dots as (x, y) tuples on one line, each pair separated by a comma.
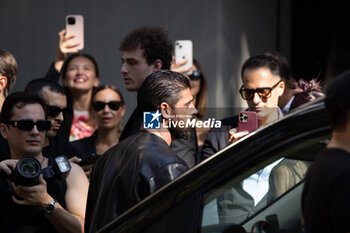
[(57, 206), (262, 86), (56, 100)]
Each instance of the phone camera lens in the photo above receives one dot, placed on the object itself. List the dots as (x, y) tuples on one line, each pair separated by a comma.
[(71, 20), (243, 117)]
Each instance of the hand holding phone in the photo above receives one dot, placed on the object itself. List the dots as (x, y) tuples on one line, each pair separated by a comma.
[(75, 26), (234, 135), (183, 53), (247, 121)]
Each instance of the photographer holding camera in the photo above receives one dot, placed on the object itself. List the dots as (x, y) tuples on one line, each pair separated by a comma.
[(48, 205)]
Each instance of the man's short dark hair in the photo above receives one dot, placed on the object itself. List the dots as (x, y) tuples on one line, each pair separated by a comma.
[(161, 86), (337, 100), (262, 61), (155, 44), (19, 100), (286, 72), (8, 68), (37, 85)]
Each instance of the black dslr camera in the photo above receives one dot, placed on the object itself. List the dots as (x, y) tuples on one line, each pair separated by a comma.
[(28, 170)]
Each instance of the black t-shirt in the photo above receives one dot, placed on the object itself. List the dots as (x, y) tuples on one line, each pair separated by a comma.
[(85, 146), (4, 148), (326, 194), (59, 146)]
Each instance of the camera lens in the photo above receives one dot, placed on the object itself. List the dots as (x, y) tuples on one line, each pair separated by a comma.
[(27, 172), (71, 20), (29, 168)]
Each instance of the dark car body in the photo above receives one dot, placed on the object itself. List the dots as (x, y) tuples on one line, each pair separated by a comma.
[(190, 203)]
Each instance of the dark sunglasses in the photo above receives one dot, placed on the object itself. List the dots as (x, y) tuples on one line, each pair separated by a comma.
[(264, 93), (196, 74), (54, 111), (113, 105), (28, 125)]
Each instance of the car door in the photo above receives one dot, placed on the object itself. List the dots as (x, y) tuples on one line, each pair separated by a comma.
[(228, 207)]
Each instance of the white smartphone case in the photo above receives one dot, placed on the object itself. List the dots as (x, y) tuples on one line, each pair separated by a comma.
[(184, 51)]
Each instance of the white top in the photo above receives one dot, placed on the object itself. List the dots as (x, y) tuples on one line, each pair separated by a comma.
[(257, 184)]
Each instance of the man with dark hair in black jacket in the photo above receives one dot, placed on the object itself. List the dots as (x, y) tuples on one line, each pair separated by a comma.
[(147, 50), (143, 162)]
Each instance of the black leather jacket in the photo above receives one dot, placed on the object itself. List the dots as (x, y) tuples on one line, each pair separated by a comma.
[(126, 174), (186, 149)]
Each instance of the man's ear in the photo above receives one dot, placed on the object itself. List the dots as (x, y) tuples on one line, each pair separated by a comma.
[(4, 130), (3, 82), (157, 65), (281, 87), (165, 110)]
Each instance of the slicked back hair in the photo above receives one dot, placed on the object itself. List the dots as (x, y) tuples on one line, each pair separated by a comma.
[(161, 86)]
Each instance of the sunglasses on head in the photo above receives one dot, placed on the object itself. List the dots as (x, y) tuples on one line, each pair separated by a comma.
[(28, 125), (196, 74), (54, 111), (264, 93), (99, 105)]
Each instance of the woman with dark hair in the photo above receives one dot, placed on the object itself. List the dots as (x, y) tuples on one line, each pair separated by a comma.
[(80, 75), (107, 111)]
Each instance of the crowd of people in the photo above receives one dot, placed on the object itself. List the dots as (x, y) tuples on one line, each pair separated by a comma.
[(111, 167)]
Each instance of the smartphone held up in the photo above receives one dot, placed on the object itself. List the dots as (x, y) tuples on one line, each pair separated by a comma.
[(184, 51), (247, 121), (75, 26)]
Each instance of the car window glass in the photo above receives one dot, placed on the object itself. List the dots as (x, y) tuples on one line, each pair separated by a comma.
[(268, 191)]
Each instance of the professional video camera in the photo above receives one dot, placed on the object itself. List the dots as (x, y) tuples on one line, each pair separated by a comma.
[(28, 170)]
